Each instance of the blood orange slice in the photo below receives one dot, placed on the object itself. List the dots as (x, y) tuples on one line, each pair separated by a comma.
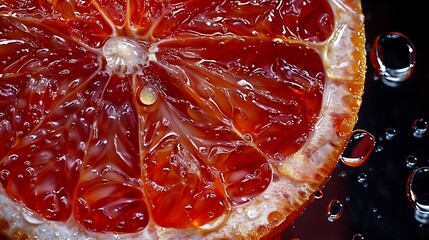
[(172, 119)]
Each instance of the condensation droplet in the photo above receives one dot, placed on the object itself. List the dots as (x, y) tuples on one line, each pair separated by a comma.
[(417, 190), (29, 171), (188, 207), (358, 236), (4, 174), (362, 177), (420, 127), (335, 210), (393, 56), (411, 161), (390, 133), (166, 123), (342, 174), (148, 95), (248, 137), (318, 194), (252, 213), (378, 149), (120, 224), (358, 149)]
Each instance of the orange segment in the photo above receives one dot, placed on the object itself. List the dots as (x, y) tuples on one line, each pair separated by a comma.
[(173, 119)]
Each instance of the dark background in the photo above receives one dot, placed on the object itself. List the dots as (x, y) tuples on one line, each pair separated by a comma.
[(379, 207)]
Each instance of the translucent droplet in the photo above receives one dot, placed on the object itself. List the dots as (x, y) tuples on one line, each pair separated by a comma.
[(411, 161), (188, 207), (379, 148), (120, 224), (390, 133), (342, 174), (252, 213), (418, 193), (148, 95), (358, 149), (362, 177), (393, 56), (420, 127), (358, 236), (335, 210), (4, 174), (318, 194)]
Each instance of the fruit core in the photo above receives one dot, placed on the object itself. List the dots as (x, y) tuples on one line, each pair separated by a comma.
[(124, 55)]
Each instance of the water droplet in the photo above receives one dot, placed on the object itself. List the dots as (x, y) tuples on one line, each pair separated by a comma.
[(393, 56), (342, 174), (120, 224), (378, 149), (358, 236), (4, 174), (29, 171), (318, 194), (148, 95), (362, 177), (358, 149), (411, 161), (252, 213), (418, 193), (390, 133), (248, 137), (188, 207), (420, 127), (165, 123), (335, 210), (13, 157), (64, 72)]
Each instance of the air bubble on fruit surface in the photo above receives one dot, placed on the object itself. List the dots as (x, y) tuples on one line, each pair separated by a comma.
[(335, 210), (32, 217), (417, 190), (358, 148), (420, 127), (358, 236), (148, 95), (124, 55), (393, 56), (362, 177), (411, 161), (390, 133)]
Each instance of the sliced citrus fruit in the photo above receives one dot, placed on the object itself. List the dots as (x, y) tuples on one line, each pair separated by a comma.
[(172, 119)]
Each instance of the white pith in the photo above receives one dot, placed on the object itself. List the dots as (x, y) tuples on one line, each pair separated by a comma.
[(123, 55)]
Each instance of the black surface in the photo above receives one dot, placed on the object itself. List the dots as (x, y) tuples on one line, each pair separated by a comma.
[(379, 207)]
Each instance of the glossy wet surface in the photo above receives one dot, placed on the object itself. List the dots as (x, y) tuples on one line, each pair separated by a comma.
[(375, 203)]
